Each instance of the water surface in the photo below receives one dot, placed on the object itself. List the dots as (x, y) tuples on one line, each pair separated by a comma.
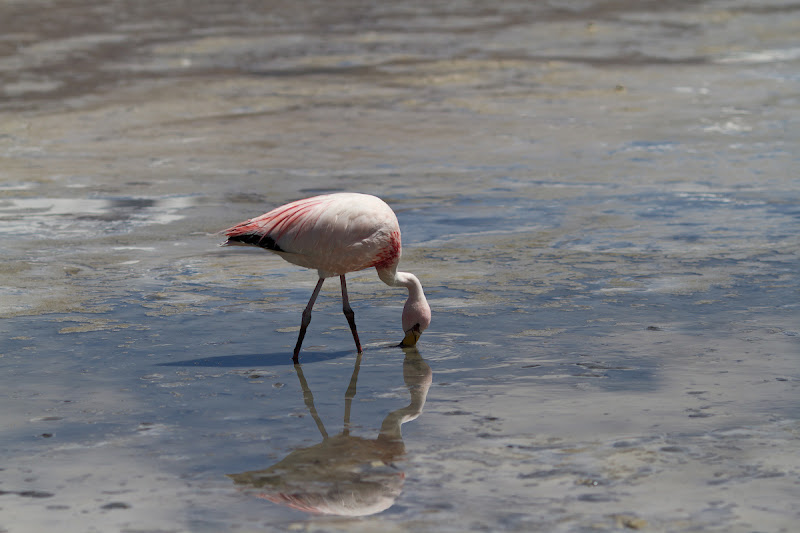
[(601, 200)]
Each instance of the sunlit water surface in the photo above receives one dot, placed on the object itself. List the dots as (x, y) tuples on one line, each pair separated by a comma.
[(601, 200)]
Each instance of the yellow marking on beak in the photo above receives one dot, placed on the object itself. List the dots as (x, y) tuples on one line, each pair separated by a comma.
[(411, 338)]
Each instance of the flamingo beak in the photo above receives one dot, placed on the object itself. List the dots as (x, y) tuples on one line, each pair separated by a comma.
[(412, 336)]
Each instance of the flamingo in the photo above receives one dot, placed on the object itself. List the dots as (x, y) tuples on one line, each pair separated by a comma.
[(336, 234)]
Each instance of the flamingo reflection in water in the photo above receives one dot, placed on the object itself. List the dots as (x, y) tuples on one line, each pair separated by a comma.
[(345, 475)]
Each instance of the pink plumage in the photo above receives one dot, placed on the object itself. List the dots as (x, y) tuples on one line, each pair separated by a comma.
[(333, 233), (336, 234)]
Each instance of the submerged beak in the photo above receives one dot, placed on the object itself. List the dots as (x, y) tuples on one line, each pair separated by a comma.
[(412, 336)]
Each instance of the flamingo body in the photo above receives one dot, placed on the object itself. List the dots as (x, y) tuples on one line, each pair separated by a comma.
[(335, 234)]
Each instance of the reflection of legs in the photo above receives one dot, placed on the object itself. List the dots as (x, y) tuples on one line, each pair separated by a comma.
[(306, 320), (308, 398), (349, 314), (349, 395)]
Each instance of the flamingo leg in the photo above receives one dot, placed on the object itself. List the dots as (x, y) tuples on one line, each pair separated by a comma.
[(349, 314), (306, 320)]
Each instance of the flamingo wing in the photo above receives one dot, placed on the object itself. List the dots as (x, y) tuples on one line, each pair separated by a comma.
[(333, 233), (266, 230)]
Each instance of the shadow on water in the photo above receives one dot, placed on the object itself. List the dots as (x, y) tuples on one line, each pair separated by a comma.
[(258, 359), (345, 475)]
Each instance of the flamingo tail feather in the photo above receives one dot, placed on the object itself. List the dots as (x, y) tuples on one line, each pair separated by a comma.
[(253, 239)]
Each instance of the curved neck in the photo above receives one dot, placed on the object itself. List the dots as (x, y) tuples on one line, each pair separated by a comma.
[(393, 278), (416, 311)]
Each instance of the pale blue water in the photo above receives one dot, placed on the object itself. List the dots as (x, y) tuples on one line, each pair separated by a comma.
[(600, 201)]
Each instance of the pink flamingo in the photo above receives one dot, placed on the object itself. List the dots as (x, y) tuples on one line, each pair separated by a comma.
[(336, 234)]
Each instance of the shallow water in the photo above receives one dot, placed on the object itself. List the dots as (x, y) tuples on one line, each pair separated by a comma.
[(601, 200)]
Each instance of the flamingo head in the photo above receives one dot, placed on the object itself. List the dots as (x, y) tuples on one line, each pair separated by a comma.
[(416, 319)]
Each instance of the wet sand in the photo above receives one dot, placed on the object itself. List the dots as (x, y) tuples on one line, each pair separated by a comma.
[(601, 200)]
